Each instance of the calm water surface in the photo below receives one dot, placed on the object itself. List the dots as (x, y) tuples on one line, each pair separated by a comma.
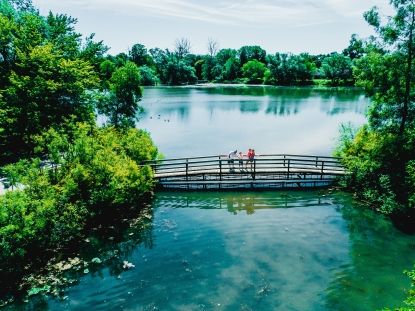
[(249, 251), (246, 250), (193, 121)]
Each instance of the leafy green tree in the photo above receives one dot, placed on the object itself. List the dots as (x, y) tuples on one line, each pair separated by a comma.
[(140, 56), (231, 69), (47, 73), (224, 54), (13, 173), (211, 70), (338, 68), (289, 69), (148, 76), (254, 71), (398, 36), (355, 49), (173, 70), (247, 53), (106, 70), (380, 155), (121, 105), (44, 92)]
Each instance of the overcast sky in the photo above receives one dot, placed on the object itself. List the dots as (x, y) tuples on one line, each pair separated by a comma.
[(318, 26)]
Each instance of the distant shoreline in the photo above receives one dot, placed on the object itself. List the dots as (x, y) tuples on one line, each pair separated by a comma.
[(241, 85)]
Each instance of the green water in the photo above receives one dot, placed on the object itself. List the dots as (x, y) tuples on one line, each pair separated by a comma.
[(245, 250), (249, 251)]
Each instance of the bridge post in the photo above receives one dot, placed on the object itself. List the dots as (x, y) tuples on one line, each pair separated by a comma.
[(187, 169), (288, 169), (220, 169), (322, 169), (253, 173)]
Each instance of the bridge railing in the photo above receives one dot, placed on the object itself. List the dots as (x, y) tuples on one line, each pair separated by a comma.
[(219, 164)]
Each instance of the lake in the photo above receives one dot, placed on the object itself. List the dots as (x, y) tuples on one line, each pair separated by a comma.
[(273, 250), (198, 121)]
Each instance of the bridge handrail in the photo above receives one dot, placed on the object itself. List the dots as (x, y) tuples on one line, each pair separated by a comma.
[(168, 162), (219, 163), (224, 157), (262, 162)]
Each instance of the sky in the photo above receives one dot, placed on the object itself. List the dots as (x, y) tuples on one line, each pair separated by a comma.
[(319, 26)]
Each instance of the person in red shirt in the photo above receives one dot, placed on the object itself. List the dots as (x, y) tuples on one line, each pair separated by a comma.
[(251, 157)]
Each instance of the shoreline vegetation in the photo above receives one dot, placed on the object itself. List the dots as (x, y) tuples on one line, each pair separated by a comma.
[(75, 173)]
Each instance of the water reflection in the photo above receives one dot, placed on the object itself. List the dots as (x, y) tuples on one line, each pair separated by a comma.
[(379, 254), (247, 251), (283, 107), (196, 121)]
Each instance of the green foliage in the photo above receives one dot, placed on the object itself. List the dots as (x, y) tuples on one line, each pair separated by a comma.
[(231, 69), (248, 53), (225, 54), (46, 73), (121, 104), (338, 68), (139, 55), (254, 71), (288, 69), (211, 70), (148, 76), (380, 156), (13, 173), (410, 300), (376, 169), (383, 77), (88, 172), (355, 49), (173, 70)]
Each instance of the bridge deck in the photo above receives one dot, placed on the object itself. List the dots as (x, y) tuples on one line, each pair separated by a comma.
[(266, 171)]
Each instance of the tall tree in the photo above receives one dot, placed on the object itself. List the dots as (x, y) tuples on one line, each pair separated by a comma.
[(45, 77), (182, 47), (337, 68), (247, 53), (213, 47), (355, 49), (121, 105), (139, 55), (254, 71), (397, 36)]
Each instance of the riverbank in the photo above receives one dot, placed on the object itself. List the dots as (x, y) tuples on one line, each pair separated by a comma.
[(95, 174), (317, 87)]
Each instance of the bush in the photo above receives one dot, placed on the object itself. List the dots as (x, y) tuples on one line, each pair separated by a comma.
[(378, 169), (87, 172)]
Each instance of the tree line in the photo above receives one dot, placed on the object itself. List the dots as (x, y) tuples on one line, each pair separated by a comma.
[(249, 64)]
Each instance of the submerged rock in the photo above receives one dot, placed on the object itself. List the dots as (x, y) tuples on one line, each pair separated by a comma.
[(127, 265)]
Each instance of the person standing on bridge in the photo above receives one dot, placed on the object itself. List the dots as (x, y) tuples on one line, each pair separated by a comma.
[(231, 159), (241, 160), (251, 157)]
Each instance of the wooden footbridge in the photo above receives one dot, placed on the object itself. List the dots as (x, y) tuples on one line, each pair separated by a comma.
[(264, 172)]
